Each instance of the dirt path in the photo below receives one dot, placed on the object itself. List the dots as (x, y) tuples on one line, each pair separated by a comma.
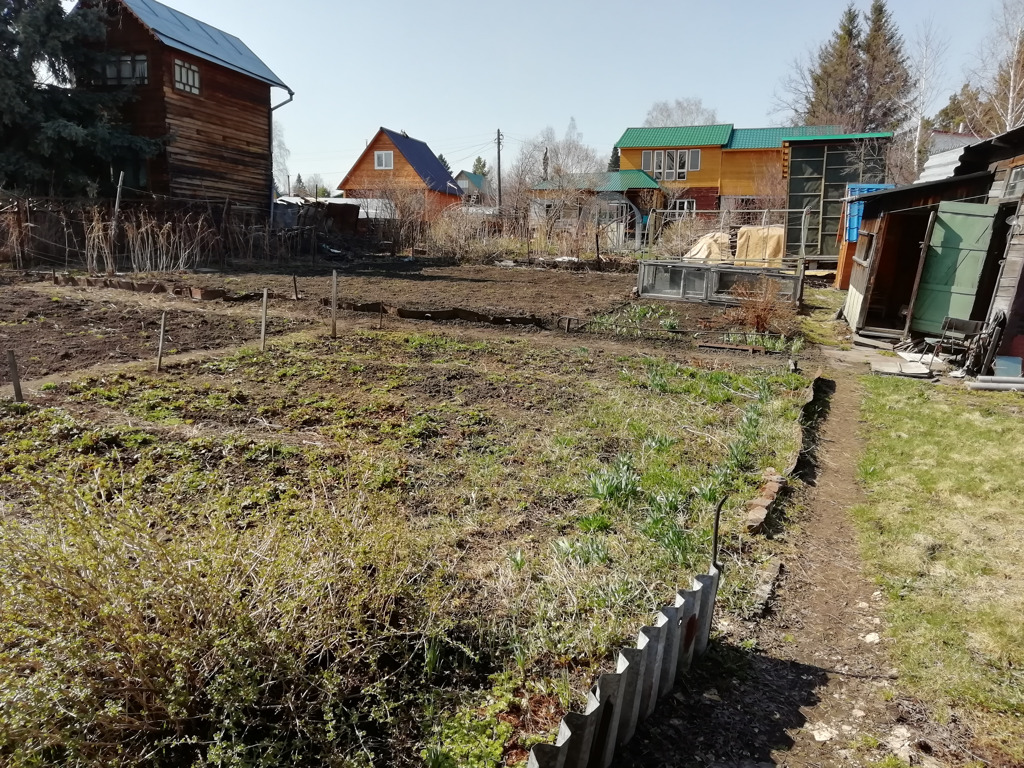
[(808, 684)]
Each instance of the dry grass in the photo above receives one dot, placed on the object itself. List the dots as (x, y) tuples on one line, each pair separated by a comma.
[(763, 308), (943, 532)]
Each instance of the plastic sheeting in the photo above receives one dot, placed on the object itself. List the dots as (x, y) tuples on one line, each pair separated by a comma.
[(760, 246), (712, 248)]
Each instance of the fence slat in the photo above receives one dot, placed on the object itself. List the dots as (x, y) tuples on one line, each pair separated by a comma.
[(576, 737), (608, 692), (652, 641), (668, 617), (688, 605), (709, 583), (631, 667), (546, 756)]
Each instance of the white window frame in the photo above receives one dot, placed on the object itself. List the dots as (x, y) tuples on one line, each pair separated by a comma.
[(384, 160), (186, 77), (694, 163), (659, 164), (1015, 182), (647, 161), (670, 165)]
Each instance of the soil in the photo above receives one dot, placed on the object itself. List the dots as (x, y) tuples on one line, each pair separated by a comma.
[(810, 682), (56, 331)]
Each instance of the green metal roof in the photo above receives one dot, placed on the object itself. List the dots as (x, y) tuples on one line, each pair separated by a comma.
[(840, 137), (681, 136), (772, 138), (609, 181)]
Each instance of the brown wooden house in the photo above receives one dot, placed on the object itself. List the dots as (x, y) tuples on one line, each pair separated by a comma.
[(205, 94), (403, 170)]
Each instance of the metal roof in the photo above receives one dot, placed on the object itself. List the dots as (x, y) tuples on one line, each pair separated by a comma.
[(941, 165), (424, 162), (606, 181), (881, 194), (841, 137), (476, 179), (183, 33), (679, 136), (772, 138)]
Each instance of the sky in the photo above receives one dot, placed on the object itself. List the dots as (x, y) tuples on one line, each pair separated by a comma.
[(453, 73)]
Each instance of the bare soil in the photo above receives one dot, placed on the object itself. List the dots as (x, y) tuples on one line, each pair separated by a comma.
[(61, 330)]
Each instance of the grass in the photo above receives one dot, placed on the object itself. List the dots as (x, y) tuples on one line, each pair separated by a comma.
[(818, 323), (942, 530), (407, 543)]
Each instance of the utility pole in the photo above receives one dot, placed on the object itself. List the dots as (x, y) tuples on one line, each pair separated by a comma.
[(498, 141)]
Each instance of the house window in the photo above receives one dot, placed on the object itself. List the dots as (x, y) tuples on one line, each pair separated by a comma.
[(383, 161), (186, 77), (694, 160), (659, 164), (1015, 184), (670, 165), (680, 208), (646, 163), (129, 69)]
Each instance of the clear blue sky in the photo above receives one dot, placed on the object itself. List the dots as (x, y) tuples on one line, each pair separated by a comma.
[(451, 73)]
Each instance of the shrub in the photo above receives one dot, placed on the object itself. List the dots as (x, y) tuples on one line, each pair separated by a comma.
[(763, 309)]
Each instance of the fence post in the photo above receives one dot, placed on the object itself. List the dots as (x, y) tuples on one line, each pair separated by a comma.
[(295, 286), (263, 324), (12, 363), (160, 342), (334, 305)]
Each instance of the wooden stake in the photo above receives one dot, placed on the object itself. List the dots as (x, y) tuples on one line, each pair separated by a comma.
[(380, 321), (160, 343), (334, 305), (295, 286), (263, 324), (12, 363)]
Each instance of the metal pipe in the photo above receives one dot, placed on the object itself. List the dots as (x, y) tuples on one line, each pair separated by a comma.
[(1001, 379), (990, 387)]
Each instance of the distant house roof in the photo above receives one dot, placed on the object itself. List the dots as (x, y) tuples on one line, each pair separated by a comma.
[(424, 162), (476, 179), (772, 138), (680, 136), (606, 181), (183, 33)]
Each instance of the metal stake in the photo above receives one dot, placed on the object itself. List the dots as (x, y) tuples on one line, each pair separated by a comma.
[(12, 363), (263, 324), (160, 343)]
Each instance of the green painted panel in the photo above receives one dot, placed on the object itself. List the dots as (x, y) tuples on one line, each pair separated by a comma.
[(953, 265)]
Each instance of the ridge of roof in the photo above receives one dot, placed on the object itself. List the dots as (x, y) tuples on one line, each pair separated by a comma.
[(424, 162)]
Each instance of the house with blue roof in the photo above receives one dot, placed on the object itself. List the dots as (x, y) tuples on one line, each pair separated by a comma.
[(405, 171), (205, 95)]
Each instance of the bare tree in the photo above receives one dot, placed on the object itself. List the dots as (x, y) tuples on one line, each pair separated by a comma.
[(998, 78), (281, 155), (688, 110), (316, 186)]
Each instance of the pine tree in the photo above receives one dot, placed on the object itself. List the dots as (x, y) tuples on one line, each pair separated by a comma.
[(836, 78), (299, 187), (480, 167), (442, 161), (56, 138), (613, 161), (888, 87)]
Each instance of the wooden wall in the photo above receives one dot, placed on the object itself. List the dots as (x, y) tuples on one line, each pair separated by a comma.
[(218, 142), (708, 176), (751, 172)]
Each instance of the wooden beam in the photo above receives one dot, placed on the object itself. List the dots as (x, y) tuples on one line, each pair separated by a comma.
[(920, 271)]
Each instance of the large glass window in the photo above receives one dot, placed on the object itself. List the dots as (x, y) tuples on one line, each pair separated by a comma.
[(127, 69)]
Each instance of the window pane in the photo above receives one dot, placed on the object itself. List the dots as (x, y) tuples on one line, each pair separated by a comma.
[(670, 164), (694, 160), (681, 156), (645, 161), (659, 161)]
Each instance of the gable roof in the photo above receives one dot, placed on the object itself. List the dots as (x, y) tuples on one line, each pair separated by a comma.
[(183, 33), (678, 136), (476, 179), (772, 138), (605, 181), (424, 162)]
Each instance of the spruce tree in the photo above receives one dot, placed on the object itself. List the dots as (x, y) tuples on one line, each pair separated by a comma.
[(58, 135), (480, 167), (613, 161), (299, 187), (888, 86), (836, 78), (440, 159)]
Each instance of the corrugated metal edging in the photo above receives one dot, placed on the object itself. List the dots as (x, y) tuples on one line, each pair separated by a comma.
[(855, 210), (678, 136), (184, 33)]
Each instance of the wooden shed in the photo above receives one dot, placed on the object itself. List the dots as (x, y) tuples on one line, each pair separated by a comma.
[(205, 94)]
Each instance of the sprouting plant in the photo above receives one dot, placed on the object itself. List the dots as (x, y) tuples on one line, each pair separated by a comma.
[(618, 484), (517, 560), (595, 523)]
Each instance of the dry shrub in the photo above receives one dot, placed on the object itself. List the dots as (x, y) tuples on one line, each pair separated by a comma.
[(763, 308), (678, 237)]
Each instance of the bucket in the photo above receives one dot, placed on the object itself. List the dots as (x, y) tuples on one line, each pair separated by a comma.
[(1007, 366)]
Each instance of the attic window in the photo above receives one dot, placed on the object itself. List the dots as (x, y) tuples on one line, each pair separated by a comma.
[(186, 77), (128, 69), (1015, 184), (383, 161)]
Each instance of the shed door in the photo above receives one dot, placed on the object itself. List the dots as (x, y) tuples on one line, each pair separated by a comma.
[(953, 265)]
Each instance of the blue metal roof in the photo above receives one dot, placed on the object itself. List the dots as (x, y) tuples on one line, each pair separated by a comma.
[(183, 33), (425, 163)]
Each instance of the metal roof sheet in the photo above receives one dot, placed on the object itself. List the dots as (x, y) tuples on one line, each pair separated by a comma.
[(183, 33), (772, 138), (476, 179), (679, 136), (424, 162), (605, 181)]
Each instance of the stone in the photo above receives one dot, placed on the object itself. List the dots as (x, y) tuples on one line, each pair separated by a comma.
[(756, 518), (872, 639)]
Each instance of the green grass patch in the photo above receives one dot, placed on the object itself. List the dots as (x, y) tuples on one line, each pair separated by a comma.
[(942, 531)]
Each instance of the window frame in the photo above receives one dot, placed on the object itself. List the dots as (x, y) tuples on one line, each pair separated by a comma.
[(693, 163), (192, 83), (647, 160), (659, 164), (1014, 182), (138, 69), (379, 155)]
